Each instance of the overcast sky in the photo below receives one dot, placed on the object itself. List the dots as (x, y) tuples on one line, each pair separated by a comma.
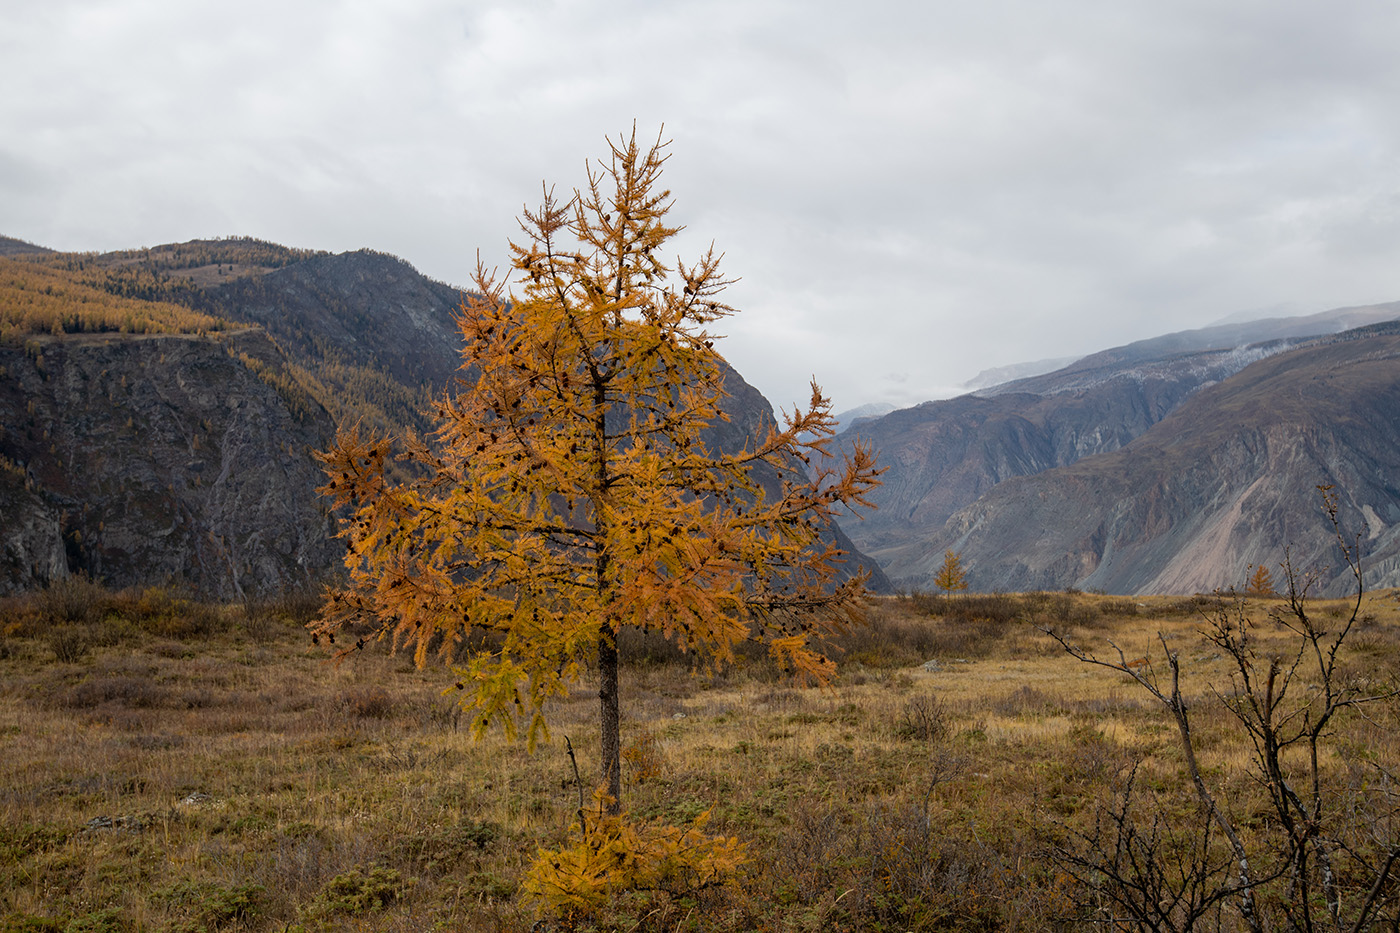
[(910, 192)]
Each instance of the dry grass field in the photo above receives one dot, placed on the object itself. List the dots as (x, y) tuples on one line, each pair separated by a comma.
[(168, 765)]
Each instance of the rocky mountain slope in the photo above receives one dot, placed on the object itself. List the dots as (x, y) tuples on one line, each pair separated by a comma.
[(1227, 479), (368, 335), (158, 459)]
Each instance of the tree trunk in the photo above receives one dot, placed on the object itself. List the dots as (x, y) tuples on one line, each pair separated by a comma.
[(609, 721)]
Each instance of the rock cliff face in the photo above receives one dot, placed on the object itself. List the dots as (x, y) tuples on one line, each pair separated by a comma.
[(31, 540), (156, 459), (1227, 480)]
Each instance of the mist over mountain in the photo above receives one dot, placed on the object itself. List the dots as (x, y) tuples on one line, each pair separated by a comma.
[(1228, 480), (853, 416), (1250, 339), (1002, 374)]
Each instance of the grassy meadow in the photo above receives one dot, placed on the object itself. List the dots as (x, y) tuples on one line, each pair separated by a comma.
[(172, 765)]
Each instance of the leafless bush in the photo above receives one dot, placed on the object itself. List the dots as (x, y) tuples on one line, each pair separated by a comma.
[(166, 613), (1164, 873), (997, 608), (1196, 606), (69, 643), (1118, 608), (1024, 699), (1092, 758), (257, 620), (895, 639), (886, 866), (297, 605), (637, 648), (265, 617), (923, 718)]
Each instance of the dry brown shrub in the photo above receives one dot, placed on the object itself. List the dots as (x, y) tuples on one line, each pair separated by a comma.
[(995, 608), (171, 649), (123, 690), (641, 649), (1200, 605), (297, 606), (73, 599), (1119, 607), (367, 702), (162, 612), (1025, 700), (69, 643), (885, 866)]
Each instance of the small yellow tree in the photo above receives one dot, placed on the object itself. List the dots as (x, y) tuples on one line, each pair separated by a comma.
[(568, 493), (951, 577), (1261, 583)]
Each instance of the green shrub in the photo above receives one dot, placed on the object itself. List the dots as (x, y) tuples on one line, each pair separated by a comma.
[(106, 920), (215, 904), (354, 893)]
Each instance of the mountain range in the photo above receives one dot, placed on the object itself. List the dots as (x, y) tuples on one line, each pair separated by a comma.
[(159, 410), (1170, 465)]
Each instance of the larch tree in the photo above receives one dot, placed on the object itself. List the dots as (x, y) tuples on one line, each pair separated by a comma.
[(950, 577), (568, 494), (1261, 583)]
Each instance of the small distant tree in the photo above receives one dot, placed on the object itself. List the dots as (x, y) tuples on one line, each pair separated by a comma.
[(1261, 583), (951, 578), (568, 493)]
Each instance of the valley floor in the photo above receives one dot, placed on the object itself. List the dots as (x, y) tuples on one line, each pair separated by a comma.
[(167, 765)]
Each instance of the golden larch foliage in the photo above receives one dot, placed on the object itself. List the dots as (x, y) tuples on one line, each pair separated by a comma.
[(951, 577), (612, 853), (42, 298), (1261, 583)]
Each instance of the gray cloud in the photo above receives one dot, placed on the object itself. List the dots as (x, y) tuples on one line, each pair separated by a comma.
[(909, 192)]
